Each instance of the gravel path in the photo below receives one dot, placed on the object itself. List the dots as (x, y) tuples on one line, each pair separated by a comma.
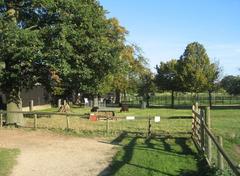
[(49, 154)]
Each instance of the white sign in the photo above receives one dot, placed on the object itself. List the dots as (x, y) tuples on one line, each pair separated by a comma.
[(157, 119), (130, 118)]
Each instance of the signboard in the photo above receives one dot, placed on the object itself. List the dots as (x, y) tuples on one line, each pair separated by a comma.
[(130, 118), (157, 119)]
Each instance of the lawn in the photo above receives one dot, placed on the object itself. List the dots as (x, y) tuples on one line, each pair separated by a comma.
[(225, 122), (173, 156), (7, 160), (173, 122)]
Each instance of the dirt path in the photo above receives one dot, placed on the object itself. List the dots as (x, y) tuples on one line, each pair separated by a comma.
[(48, 154)]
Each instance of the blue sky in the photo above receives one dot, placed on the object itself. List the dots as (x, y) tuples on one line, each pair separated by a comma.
[(163, 28)]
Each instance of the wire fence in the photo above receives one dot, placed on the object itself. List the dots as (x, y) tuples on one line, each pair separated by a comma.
[(184, 100)]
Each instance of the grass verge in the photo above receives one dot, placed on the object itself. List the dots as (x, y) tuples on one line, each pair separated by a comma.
[(7, 160)]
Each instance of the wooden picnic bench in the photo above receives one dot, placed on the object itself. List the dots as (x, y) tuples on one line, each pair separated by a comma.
[(105, 114)]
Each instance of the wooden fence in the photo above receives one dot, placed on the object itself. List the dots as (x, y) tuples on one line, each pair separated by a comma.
[(205, 140)]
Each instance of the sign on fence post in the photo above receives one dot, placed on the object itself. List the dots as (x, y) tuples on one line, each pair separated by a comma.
[(157, 119)]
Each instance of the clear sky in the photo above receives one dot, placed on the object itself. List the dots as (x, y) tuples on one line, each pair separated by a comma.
[(163, 28)]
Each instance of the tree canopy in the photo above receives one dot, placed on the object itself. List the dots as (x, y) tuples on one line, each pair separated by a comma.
[(65, 45), (196, 72), (231, 84)]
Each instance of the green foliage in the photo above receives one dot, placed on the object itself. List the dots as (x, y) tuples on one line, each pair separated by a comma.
[(196, 73), (167, 76), (231, 84), (146, 85), (65, 45)]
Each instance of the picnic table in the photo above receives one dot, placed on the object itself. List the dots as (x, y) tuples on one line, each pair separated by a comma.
[(105, 114)]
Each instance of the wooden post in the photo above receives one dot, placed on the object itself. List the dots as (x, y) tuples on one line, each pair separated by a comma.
[(202, 131), (208, 138), (196, 107), (107, 125), (149, 127), (219, 155), (68, 122), (59, 103), (31, 105), (193, 121), (1, 120), (35, 121)]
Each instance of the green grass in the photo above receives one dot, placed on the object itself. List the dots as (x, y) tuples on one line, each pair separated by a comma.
[(7, 160), (174, 156), (225, 122)]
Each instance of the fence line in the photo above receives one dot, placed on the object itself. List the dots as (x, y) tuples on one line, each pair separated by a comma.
[(203, 138)]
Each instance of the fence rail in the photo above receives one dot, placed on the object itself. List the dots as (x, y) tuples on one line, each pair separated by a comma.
[(204, 138)]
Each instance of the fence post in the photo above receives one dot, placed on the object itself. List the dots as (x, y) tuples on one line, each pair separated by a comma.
[(107, 125), (202, 130), (149, 127), (209, 142), (68, 122), (31, 105), (59, 103), (35, 121), (193, 120), (219, 155), (1, 120)]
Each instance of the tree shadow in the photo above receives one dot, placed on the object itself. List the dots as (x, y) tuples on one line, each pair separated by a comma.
[(180, 117), (154, 144)]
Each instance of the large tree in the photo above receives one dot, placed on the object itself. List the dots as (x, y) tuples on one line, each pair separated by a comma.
[(195, 70), (65, 45), (167, 78), (231, 84)]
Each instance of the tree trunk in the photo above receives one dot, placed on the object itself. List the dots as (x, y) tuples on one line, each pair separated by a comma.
[(210, 98), (118, 96), (15, 118), (148, 98), (172, 102)]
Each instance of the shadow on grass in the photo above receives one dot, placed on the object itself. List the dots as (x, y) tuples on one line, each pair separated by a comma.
[(155, 144), (180, 117)]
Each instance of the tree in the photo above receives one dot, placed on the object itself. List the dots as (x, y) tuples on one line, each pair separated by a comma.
[(146, 86), (195, 71), (231, 84), (167, 77), (65, 45), (131, 66)]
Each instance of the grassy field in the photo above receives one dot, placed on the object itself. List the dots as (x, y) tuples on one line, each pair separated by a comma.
[(141, 157), (7, 160), (225, 122)]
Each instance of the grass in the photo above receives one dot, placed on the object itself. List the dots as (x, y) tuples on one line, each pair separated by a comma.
[(225, 122), (173, 156), (7, 160)]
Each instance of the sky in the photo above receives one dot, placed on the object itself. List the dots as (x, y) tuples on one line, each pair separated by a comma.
[(163, 28)]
